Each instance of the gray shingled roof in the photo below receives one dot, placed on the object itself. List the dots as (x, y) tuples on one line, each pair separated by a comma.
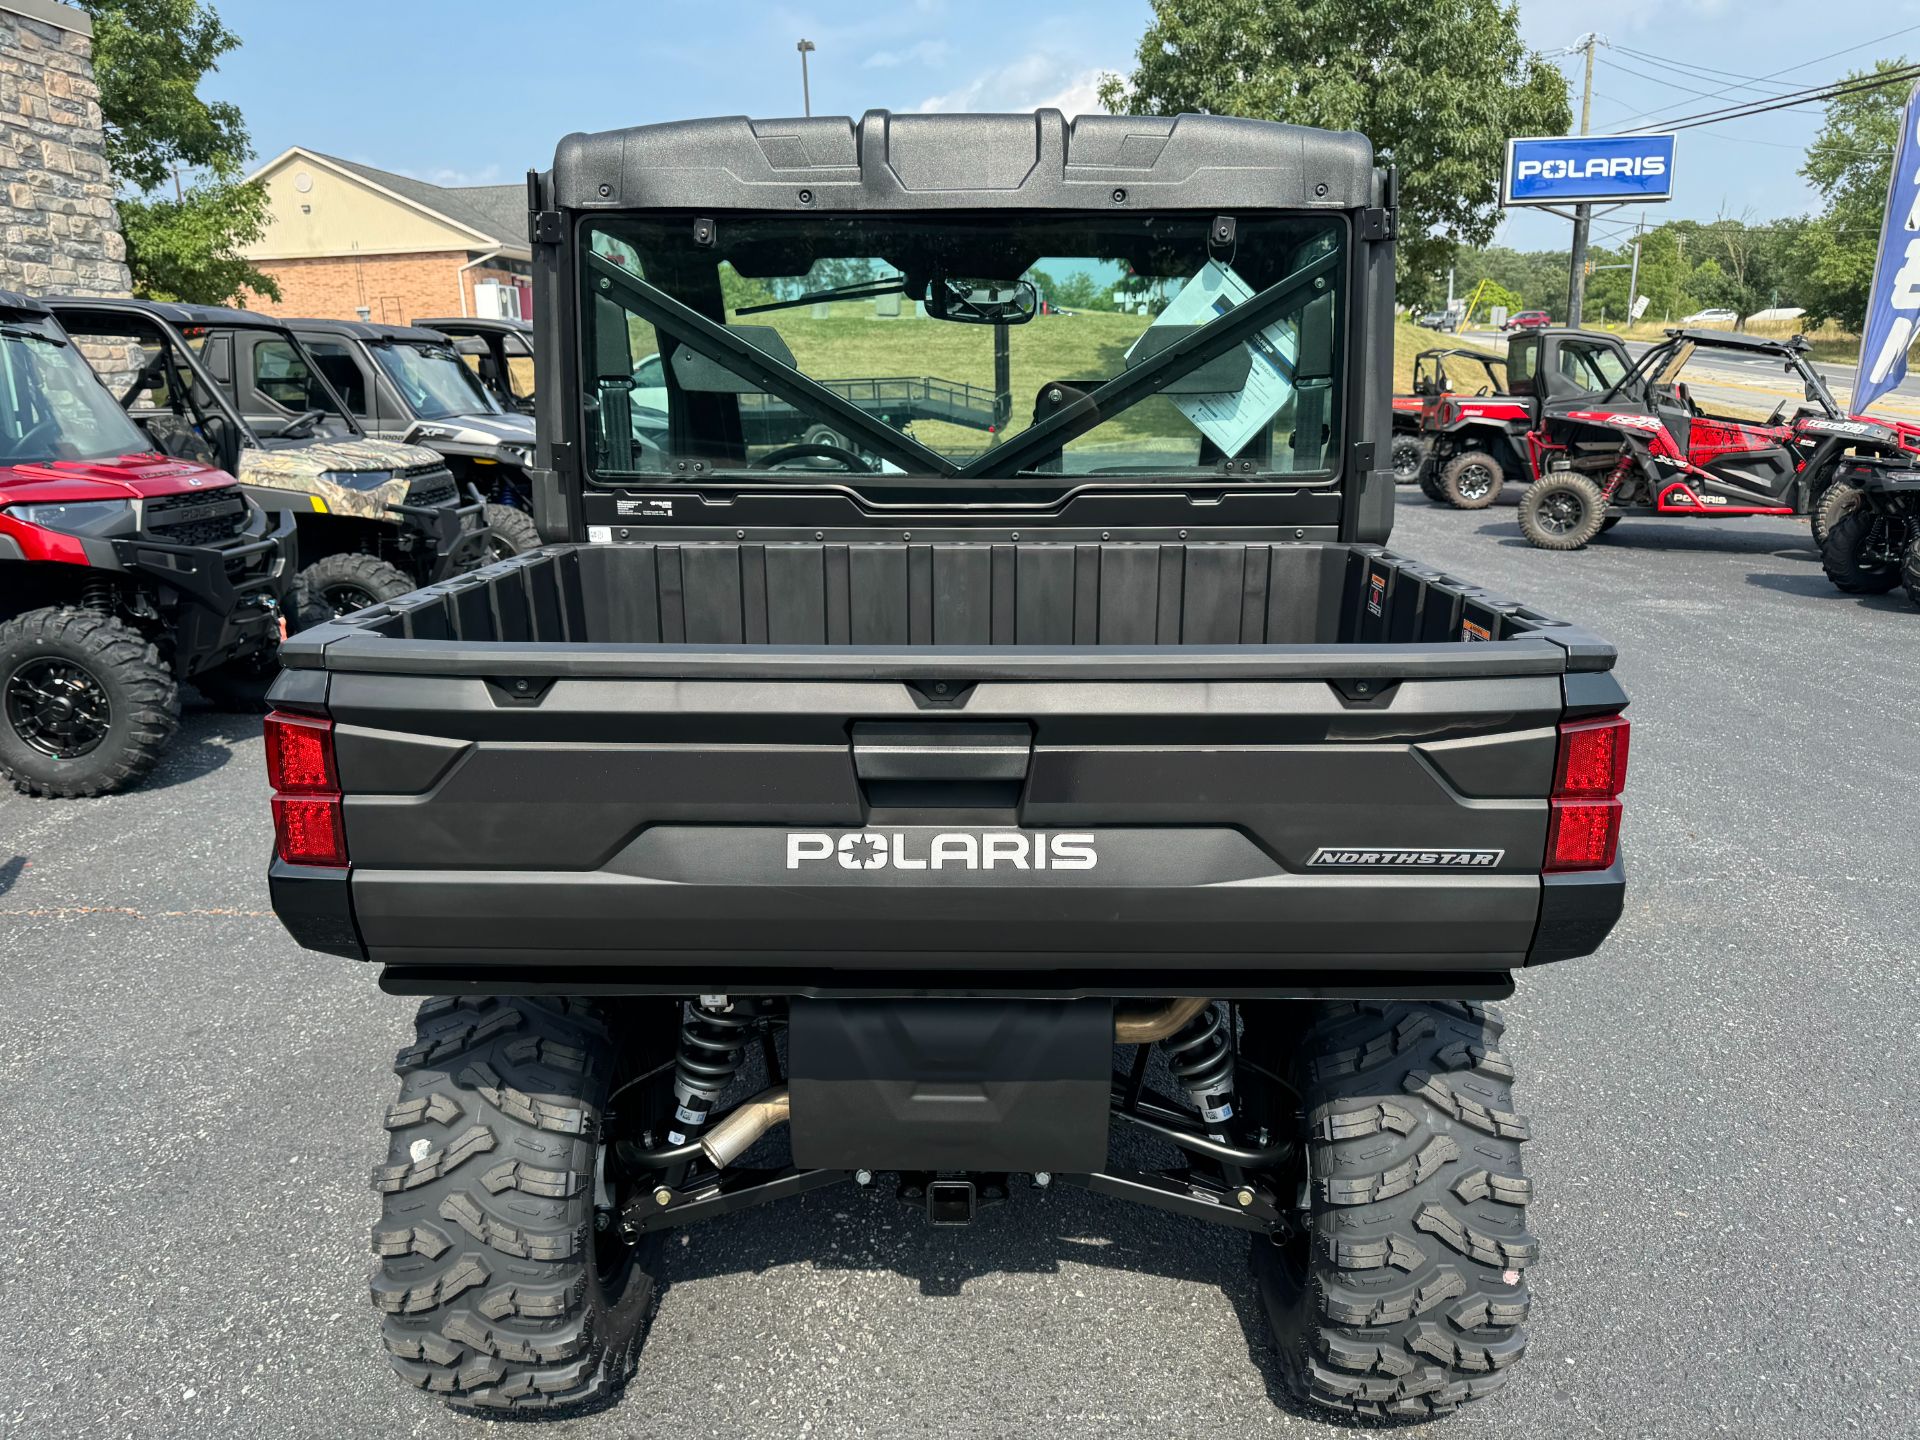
[(497, 211)]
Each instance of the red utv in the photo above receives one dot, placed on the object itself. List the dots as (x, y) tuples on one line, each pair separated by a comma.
[(122, 572), (1645, 446), (1445, 370), (1478, 441)]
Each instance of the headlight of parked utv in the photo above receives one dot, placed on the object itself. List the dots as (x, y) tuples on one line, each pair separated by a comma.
[(91, 517), (357, 479)]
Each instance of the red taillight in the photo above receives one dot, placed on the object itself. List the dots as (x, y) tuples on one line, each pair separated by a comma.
[(308, 827), (1590, 771), (307, 830), (300, 755), (1592, 764)]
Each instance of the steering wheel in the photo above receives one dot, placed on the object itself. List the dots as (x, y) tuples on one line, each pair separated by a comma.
[(813, 450), (1483, 390), (300, 427), (1779, 414), (28, 445)]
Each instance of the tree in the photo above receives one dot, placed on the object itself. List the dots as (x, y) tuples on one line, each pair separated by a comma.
[(1438, 86), (1849, 163), (149, 57)]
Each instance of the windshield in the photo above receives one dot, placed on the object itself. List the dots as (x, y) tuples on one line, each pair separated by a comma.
[(816, 344), (53, 408), (433, 381)]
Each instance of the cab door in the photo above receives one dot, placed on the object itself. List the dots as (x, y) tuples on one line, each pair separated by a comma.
[(1745, 460)]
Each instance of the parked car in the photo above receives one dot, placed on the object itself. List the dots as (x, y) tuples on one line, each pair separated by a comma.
[(401, 382), (122, 573), (1528, 320), (237, 389), (914, 788)]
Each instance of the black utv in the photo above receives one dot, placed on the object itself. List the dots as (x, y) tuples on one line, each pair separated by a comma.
[(822, 815)]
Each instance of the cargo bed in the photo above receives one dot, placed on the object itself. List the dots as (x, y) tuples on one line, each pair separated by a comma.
[(642, 761)]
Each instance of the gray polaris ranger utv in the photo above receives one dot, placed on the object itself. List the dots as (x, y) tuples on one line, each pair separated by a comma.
[(818, 815)]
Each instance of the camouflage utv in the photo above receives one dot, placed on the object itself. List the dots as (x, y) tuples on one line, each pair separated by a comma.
[(375, 518)]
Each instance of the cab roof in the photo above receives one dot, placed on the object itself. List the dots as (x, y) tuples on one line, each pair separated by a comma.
[(13, 302), (1734, 340), (1036, 161), (370, 330), (477, 324), (169, 311)]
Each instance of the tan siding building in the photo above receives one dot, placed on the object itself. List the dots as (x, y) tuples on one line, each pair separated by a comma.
[(346, 241)]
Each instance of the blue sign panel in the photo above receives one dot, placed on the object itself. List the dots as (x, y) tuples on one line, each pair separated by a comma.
[(1893, 305), (1580, 169)]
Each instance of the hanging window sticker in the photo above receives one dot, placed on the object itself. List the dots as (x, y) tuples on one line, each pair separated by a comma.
[(1232, 418)]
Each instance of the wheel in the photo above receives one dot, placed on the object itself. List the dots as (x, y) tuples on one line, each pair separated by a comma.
[(1429, 481), (1840, 498), (1562, 512), (1406, 1294), (86, 705), (498, 1286), (1472, 480), (1862, 553), (1910, 567), (1409, 454), (509, 532), (341, 584)]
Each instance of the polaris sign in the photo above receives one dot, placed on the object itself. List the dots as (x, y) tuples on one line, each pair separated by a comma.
[(1588, 169)]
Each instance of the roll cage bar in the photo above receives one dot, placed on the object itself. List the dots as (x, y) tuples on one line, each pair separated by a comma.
[(1794, 351)]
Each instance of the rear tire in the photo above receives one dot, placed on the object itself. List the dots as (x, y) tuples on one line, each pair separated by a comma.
[(1562, 512), (86, 704), (341, 584), (1429, 482), (1409, 454), (1839, 499), (1910, 567), (1406, 1297), (1472, 480), (497, 1291), (1863, 552), (509, 532)]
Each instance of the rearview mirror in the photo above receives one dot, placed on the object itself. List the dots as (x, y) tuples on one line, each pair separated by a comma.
[(982, 302)]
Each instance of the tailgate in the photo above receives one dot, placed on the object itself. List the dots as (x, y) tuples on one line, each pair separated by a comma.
[(1229, 821)]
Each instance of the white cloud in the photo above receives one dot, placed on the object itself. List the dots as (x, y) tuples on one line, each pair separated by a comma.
[(927, 52), (1035, 81)]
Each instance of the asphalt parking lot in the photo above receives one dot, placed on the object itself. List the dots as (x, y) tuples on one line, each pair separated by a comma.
[(1722, 1106)]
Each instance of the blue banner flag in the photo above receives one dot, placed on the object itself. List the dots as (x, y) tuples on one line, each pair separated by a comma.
[(1893, 306)]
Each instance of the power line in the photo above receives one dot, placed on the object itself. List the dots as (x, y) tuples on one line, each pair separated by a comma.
[(1788, 70), (1829, 91), (1698, 72)]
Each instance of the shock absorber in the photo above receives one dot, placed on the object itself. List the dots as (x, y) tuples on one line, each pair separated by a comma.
[(99, 596), (1617, 477), (713, 1039), (1200, 1057)]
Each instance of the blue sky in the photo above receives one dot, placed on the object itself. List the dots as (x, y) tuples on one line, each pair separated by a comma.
[(476, 91)]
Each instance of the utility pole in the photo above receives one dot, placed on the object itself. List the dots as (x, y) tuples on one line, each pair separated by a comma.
[(1577, 278), (1633, 280), (806, 47)]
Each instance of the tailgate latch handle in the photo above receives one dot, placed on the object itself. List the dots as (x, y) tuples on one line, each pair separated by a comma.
[(957, 752)]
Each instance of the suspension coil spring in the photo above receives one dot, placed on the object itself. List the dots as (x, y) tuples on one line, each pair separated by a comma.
[(711, 1051), (99, 596), (1200, 1057)]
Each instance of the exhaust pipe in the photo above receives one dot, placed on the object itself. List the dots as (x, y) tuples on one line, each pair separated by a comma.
[(1145, 1027), (746, 1123)]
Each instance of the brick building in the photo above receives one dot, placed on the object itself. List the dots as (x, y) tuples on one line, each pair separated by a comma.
[(58, 229), (346, 240)]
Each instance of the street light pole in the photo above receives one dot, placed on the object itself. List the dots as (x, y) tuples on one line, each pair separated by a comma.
[(806, 95)]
